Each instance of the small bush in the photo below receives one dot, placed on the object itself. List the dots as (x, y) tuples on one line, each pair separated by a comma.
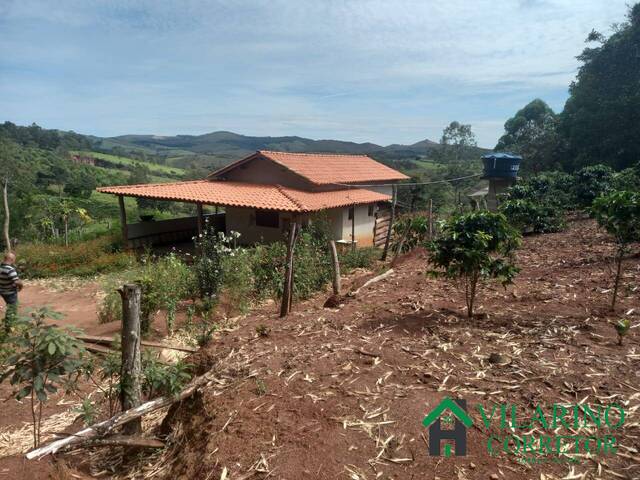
[(474, 247), (165, 281), (238, 279), (592, 182), (39, 260), (411, 231), (358, 258), (528, 216), (267, 265)]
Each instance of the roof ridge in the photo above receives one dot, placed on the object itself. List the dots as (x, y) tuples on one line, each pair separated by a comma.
[(293, 200), (316, 154)]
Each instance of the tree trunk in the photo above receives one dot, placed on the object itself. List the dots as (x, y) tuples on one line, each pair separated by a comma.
[(287, 291), (131, 372), (66, 231), (389, 230), (431, 219), (337, 287), (616, 284), (5, 227)]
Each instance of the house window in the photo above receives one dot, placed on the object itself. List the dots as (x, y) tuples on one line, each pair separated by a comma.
[(267, 218), (351, 212), (372, 209)]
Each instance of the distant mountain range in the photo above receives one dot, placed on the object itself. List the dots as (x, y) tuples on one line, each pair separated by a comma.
[(233, 145)]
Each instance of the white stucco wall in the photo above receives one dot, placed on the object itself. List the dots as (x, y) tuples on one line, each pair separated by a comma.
[(363, 225), (243, 220)]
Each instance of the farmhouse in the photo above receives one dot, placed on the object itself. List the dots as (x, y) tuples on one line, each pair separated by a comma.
[(265, 192)]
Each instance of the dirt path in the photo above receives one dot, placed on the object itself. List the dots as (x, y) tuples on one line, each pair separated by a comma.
[(77, 302)]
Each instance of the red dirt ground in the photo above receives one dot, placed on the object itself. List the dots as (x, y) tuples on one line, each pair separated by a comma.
[(341, 393)]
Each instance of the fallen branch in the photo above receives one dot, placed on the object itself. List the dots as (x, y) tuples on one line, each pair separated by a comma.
[(102, 429), (371, 281), (123, 441), (145, 343)]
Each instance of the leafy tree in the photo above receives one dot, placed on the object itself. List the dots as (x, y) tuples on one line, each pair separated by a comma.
[(474, 247), (619, 214), (600, 118), (81, 184), (457, 141), (141, 174), (532, 133), (46, 358)]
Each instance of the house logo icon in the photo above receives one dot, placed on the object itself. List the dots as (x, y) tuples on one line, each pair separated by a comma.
[(457, 415)]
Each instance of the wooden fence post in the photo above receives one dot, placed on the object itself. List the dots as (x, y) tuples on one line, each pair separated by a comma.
[(287, 291), (391, 220), (131, 370), (337, 287)]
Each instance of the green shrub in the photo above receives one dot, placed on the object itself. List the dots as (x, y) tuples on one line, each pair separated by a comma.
[(160, 379), (358, 258), (528, 216), (592, 182), (267, 265), (474, 247), (311, 266), (411, 231), (39, 260), (165, 281), (238, 279), (619, 213), (212, 247), (45, 359)]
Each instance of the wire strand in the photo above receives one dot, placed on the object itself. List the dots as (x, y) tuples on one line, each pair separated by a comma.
[(406, 184)]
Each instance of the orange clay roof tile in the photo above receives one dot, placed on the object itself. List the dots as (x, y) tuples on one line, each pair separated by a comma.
[(324, 169), (240, 194)]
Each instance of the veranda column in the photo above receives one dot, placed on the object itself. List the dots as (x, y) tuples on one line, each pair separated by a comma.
[(123, 222)]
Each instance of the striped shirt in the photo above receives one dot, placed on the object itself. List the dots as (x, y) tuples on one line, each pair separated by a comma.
[(8, 279)]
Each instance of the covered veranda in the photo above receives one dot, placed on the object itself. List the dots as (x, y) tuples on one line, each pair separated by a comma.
[(259, 212)]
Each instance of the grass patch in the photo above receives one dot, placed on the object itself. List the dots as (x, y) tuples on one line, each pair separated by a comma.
[(155, 168), (88, 258)]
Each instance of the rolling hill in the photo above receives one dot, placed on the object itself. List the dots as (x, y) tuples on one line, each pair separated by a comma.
[(229, 144)]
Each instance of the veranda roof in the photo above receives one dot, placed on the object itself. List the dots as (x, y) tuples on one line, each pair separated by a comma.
[(251, 195)]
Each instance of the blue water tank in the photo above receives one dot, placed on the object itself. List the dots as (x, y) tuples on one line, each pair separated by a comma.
[(501, 165)]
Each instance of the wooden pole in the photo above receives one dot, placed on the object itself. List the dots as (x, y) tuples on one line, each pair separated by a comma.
[(353, 229), (391, 220), (131, 370), (287, 291), (5, 227), (123, 222), (200, 215), (337, 287), (431, 219)]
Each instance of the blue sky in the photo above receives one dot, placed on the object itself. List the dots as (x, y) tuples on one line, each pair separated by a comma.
[(381, 71)]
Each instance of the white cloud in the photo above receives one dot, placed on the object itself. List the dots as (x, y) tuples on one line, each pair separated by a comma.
[(380, 70)]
